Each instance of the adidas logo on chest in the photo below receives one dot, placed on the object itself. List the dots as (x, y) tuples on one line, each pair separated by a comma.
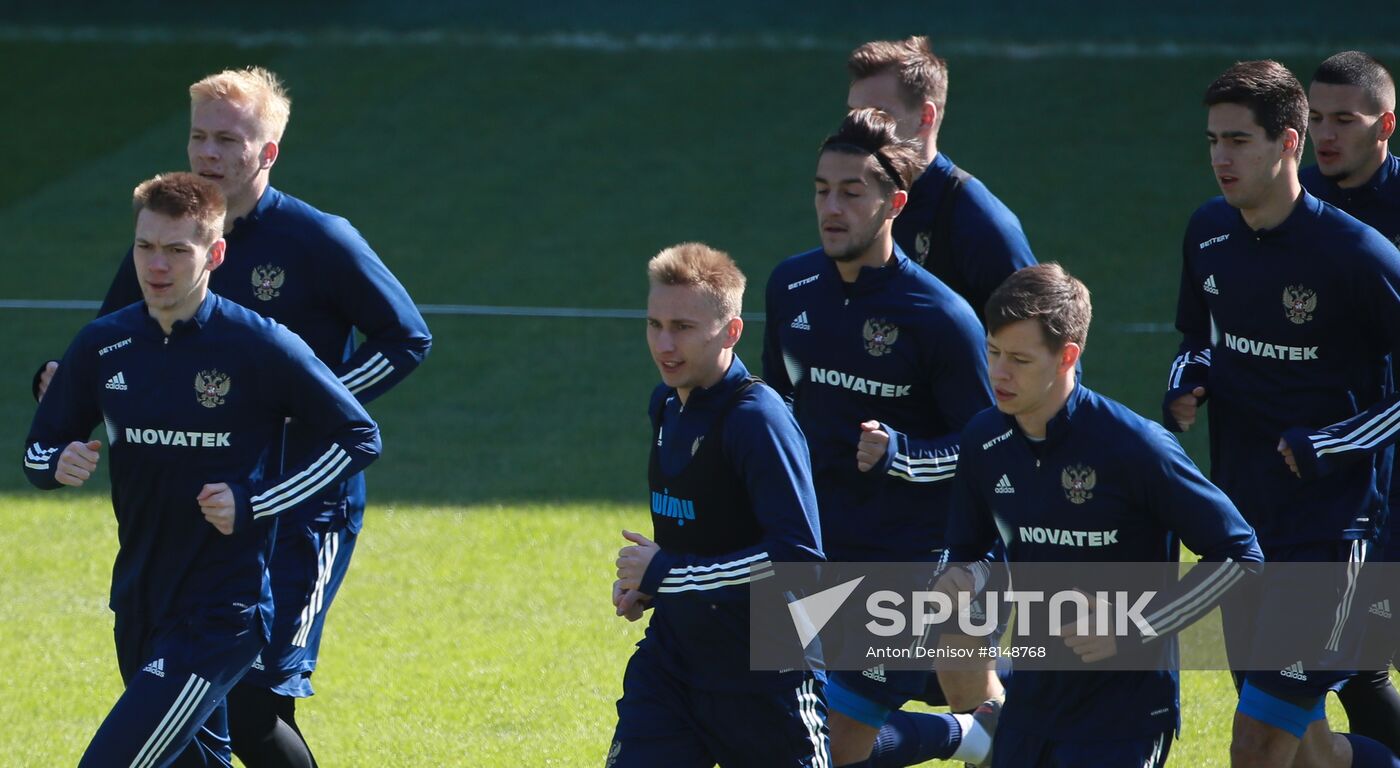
[(117, 382), (801, 323), (1004, 485)]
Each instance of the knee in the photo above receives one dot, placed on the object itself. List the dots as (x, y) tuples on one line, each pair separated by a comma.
[(851, 739), (251, 719)]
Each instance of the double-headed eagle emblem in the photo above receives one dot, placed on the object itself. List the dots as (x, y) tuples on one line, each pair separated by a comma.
[(1078, 481), (1299, 303), (267, 279), (211, 386), (879, 337)]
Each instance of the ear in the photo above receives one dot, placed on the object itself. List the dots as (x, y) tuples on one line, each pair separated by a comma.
[(1290, 142), (215, 258), (928, 118), (1069, 357), (1387, 126), (732, 331), (268, 155), (897, 201)]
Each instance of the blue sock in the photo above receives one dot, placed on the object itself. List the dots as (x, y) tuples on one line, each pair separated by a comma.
[(910, 738), (1369, 753)]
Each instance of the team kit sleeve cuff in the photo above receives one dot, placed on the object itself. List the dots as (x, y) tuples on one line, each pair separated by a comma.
[(897, 440), (657, 569), (1310, 465), (242, 508)]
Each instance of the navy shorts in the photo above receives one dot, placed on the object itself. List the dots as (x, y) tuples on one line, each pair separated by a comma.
[(1018, 749), (871, 695), (662, 721), (1332, 626), (308, 566), (173, 711)]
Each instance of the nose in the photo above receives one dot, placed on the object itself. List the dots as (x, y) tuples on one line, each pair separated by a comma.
[(830, 204), (664, 341), (1219, 156), (204, 148), (996, 369)]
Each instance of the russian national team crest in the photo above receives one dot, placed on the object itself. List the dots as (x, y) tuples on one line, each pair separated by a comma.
[(880, 336), (921, 244), (211, 386), (1078, 481), (1299, 303), (267, 279)]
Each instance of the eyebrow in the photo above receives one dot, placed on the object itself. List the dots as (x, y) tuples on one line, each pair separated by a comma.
[(851, 180), (1230, 134)]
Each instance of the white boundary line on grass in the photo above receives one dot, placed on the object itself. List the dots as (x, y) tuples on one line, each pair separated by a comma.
[(489, 310), (604, 42)]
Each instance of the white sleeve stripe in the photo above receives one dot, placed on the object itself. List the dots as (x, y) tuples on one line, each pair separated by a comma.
[(32, 465), (931, 461), (358, 388), (1376, 429), (684, 569), (715, 585), (1174, 375), (899, 469), (370, 363), (323, 475), (297, 478), (946, 466), (377, 371), (746, 570), (1187, 608), (1182, 362), (1161, 614), (1360, 430), (921, 478), (331, 473)]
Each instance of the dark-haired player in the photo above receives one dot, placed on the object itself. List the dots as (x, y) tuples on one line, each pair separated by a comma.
[(884, 365), (1288, 309), (1351, 117)]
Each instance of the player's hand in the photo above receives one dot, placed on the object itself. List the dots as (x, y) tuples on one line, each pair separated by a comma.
[(630, 603), (1091, 647), (77, 462), (45, 377), (1184, 408), (1288, 457), (954, 581), (632, 561), (873, 444), (217, 503)]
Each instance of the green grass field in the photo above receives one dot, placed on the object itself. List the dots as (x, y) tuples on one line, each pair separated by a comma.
[(473, 629)]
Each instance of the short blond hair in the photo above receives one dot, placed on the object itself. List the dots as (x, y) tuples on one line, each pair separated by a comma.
[(706, 269), (253, 87)]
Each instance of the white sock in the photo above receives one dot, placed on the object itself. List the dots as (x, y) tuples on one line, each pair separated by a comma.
[(976, 742)]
